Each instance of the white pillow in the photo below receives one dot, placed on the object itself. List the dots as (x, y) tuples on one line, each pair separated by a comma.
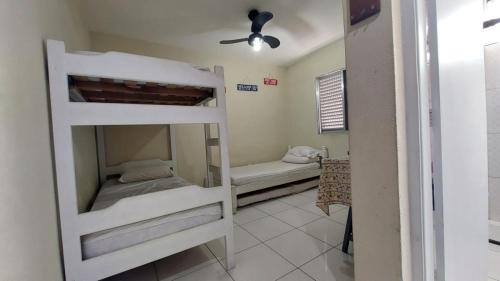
[(145, 173), (290, 158), (304, 151), (143, 163)]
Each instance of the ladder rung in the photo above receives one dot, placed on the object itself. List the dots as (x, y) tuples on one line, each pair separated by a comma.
[(212, 141)]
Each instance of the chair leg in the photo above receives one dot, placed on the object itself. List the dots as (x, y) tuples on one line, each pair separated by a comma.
[(348, 232)]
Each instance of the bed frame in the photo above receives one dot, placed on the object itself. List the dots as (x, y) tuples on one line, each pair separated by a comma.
[(289, 184), (65, 114), (277, 181)]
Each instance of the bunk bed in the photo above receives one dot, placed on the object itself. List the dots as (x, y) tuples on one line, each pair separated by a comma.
[(94, 89)]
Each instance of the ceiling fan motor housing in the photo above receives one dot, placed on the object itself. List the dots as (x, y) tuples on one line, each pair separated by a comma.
[(252, 37), (252, 14)]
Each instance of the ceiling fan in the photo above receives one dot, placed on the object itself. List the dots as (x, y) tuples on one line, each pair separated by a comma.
[(256, 38)]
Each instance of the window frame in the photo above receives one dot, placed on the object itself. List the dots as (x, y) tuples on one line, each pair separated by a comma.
[(318, 102)]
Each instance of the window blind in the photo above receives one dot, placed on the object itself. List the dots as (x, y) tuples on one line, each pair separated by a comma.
[(331, 99)]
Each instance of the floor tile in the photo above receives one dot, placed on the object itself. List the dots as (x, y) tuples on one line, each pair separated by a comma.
[(212, 272), (298, 247), (326, 230), (267, 228), (331, 266), (184, 262), (311, 207), (296, 275), (259, 263), (242, 240), (296, 200), (311, 193), (248, 214), (141, 273), (296, 217), (273, 206), (340, 216), (494, 261)]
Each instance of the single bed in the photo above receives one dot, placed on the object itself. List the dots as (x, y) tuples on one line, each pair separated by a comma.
[(264, 172), (114, 239), (263, 181)]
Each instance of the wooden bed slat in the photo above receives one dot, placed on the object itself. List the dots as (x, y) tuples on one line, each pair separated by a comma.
[(137, 98), (138, 89), (106, 90)]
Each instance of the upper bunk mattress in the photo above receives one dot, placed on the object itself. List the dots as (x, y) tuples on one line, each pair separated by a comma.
[(121, 237), (269, 170)]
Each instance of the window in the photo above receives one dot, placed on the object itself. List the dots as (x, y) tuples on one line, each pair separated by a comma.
[(331, 102)]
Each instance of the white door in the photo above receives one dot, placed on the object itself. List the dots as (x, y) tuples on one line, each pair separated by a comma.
[(459, 139)]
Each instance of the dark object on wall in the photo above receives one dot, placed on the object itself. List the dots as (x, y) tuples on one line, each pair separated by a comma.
[(363, 9), (491, 22), (247, 88), (255, 39)]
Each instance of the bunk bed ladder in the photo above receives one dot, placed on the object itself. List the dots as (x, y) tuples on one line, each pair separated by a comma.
[(213, 171)]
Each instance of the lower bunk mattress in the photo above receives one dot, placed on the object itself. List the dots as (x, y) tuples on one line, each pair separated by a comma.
[(110, 240), (267, 171)]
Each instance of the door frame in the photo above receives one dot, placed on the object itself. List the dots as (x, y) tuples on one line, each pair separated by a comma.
[(416, 73)]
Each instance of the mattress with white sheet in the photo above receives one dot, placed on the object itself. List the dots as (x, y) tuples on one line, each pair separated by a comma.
[(268, 170), (106, 241)]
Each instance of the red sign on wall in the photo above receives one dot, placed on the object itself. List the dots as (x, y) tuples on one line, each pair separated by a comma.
[(269, 81)]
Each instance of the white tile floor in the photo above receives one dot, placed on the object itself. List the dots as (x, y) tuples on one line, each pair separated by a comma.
[(286, 239), (494, 261)]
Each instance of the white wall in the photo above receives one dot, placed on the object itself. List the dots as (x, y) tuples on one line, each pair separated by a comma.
[(492, 67), (256, 121), (301, 99), (126, 143), (260, 125), (28, 218)]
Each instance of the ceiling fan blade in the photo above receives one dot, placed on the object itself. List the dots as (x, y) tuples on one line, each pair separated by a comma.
[(260, 20), (272, 41), (234, 41)]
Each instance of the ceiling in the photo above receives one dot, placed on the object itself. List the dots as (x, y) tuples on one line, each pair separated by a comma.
[(302, 25)]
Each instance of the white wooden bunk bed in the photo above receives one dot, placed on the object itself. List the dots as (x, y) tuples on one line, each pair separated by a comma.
[(124, 89)]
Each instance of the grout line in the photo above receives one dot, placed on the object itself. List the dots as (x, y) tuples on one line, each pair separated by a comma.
[(324, 253), (281, 277), (319, 217), (323, 214), (251, 220), (294, 228), (332, 245), (295, 267), (262, 243), (220, 262), (338, 248), (279, 211), (307, 274)]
